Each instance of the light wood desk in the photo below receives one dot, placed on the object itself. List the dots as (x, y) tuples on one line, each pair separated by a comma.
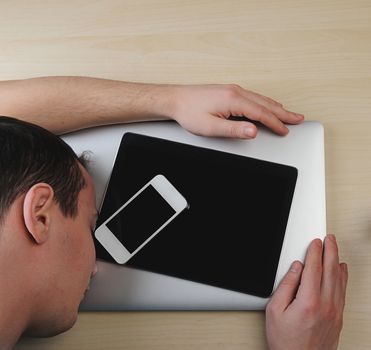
[(315, 56)]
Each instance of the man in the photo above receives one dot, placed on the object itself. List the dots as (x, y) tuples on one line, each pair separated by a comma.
[(47, 202)]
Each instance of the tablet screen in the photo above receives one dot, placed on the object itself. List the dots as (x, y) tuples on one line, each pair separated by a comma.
[(231, 236)]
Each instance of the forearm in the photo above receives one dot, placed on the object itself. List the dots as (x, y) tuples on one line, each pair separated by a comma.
[(62, 104)]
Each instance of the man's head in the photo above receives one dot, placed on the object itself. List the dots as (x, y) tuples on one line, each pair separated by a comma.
[(47, 213)]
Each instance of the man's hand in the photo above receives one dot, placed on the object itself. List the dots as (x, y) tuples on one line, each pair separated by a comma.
[(306, 311), (64, 104), (205, 109)]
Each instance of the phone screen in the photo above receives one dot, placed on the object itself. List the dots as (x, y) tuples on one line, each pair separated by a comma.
[(140, 218)]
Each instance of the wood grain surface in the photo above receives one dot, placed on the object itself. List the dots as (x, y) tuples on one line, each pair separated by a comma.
[(314, 56)]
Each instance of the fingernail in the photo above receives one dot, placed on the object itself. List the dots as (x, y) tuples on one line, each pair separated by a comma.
[(295, 266), (298, 116), (250, 132), (331, 237)]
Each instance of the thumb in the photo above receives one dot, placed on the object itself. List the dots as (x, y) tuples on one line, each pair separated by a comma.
[(230, 128), (286, 291)]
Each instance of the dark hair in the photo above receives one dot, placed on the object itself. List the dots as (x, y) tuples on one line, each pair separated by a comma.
[(30, 155)]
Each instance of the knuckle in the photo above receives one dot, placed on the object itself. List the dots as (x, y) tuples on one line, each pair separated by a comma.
[(333, 314), (316, 268), (334, 270), (311, 308), (262, 112), (231, 91), (233, 130), (329, 312), (234, 87), (271, 310), (280, 111)]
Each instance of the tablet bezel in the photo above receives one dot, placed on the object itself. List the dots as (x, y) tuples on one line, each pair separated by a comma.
[(132, 138)]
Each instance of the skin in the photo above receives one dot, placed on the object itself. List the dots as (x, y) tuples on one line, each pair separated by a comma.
[(60, 258), (64, 104), (306, 310)]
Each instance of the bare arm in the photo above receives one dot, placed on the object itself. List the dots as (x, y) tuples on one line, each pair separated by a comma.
[(63, 104)]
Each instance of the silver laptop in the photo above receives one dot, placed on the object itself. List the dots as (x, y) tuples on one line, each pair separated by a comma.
[(117, 287)]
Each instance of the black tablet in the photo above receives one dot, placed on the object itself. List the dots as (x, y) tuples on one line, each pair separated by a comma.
[(232, 233)]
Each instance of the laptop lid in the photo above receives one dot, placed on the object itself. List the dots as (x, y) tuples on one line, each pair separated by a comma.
[(122, 288)]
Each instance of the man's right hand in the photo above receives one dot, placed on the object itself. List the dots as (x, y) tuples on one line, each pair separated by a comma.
[(306, 311)]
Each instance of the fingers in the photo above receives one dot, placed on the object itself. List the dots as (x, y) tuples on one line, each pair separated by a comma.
[(227, 128), (257, 112), (204, 109), (335, 275), (268, 99), (338, 298), (343, 281), (310, 286), (286, 291), (331, 268), (263, 109), (274, 107), (344, 275), (271, 116)]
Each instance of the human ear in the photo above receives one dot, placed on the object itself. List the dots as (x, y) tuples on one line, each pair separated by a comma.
[(37, 211)]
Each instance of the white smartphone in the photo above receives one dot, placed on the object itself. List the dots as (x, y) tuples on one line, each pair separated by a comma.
[(140, 219)]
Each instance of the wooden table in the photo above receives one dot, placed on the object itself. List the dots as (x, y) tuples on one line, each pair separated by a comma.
[(315, 56)]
